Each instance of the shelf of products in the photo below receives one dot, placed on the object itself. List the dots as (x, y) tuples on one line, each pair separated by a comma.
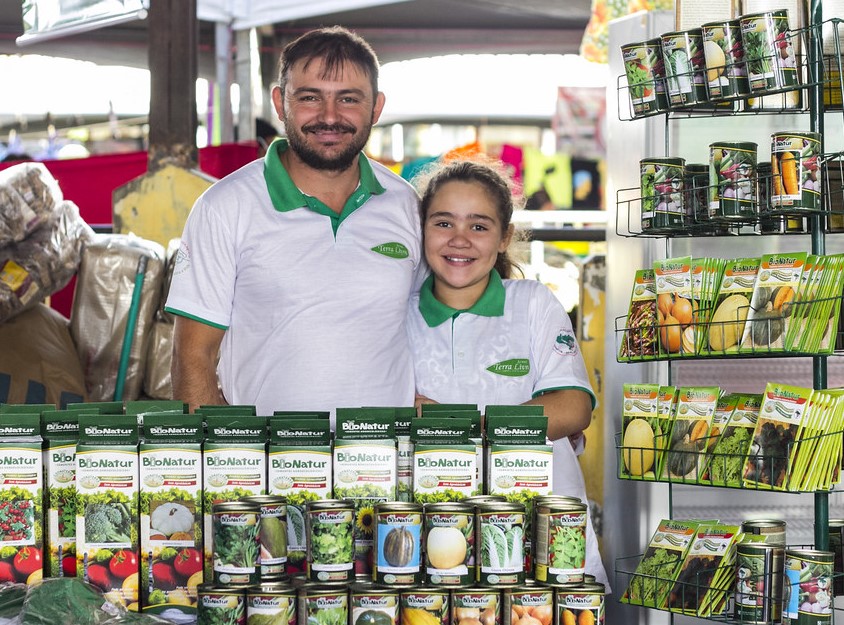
[(780, 70)]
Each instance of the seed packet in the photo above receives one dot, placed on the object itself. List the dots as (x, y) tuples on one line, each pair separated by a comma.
[(782, 409), (702, 583), (767, 320), (726, 325), (653, 578), (642, 434), (729, 455), (674, 306), (639, 336), (689, 431), (720, 420), (803, 301)]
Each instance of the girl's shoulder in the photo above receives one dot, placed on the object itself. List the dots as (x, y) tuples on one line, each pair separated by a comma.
[(526, 288)]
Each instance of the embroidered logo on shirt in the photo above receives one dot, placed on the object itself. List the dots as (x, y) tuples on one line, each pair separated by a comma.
[(565, 343), (393, 250), (182, 263), (513, 368)]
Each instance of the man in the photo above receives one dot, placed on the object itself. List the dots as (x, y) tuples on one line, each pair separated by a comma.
[(296, 269)]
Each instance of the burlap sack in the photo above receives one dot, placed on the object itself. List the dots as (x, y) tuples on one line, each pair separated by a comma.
[(28, 195), (38, 361), (100, 311)]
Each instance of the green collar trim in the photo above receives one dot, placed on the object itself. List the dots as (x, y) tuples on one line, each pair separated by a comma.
[(434, 312), (286, 196)]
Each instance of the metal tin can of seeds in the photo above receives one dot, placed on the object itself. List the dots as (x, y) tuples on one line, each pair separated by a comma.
[(796, 181), (768, 51), (469, 605), (732, 181), (236, 526), (661, 186), (645, 71), (808, 596), (323, 603), (759, 581), (450, 544), (500, 536), (560, 524), (531, 534), (218, 604), (773, 530), (685, 68), (836, 546), (374, 606), (726, 72), (329, 526), (425, 606), (584, 603), (271, 603), (398, 540), (527, 601), (273, 535)]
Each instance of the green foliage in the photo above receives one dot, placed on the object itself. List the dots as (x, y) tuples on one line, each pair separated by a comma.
[(332, 543), (236, 545)]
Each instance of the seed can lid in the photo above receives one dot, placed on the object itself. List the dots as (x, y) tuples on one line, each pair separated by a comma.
[(331, 504), (265, 499), (370, 589), (561, 506), (279, 589), (449, 506), (555, 498), (810, 554), (762, 523), (836, 522), (216, 589), (235, 506), (499, 506), (476, 499), (397, 506)]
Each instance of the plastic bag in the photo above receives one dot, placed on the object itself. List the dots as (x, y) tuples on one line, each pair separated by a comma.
[(28, 196), (44, 262)]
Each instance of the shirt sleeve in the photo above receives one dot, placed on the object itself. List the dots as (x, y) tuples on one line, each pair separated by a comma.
[(203, 281), (554, 348)]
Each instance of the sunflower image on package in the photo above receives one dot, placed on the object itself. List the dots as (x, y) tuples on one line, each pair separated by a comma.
[(107, 506), (365, 470), (21, 509)]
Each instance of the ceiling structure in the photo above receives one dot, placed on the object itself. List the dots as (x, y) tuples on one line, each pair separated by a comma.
[(397, 29)]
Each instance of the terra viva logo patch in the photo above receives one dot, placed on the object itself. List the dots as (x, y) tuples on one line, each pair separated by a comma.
[(392, 250), (515, 367), (565, 343)]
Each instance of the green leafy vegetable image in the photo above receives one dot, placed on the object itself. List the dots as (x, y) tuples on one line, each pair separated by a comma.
[(332, 543), (502, 548), (568, 547), (236, 545)]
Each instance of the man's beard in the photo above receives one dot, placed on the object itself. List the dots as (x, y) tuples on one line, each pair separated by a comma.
[(313, 158)]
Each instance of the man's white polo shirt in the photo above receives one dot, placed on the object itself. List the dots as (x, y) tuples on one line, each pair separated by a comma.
[(313, 303)]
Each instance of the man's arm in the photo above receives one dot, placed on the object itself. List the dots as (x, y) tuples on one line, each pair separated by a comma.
[(569, 411), (194, 366)]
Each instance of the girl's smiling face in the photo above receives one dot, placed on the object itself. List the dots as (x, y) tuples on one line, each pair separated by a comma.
[(463, 237)]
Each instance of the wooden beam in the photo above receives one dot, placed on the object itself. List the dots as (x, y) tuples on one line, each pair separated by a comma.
[(173, 35)]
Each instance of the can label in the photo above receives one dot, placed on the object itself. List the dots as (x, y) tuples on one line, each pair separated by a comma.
[(273, 536), (580, 605), (836, 545), (796, 181), (237, 555), (500, 540), (759, 579), (449, 545), (420, 604), (561, 547), (768, 51), (685, 68), (645, 70), (773, 531), (324, 606), (808, 587), (726, 72), (732, 180), (331, 557), (661, 185), (215, 606), (475, 604), (399, 536), (375, 607), (537, 603), (271, 607)]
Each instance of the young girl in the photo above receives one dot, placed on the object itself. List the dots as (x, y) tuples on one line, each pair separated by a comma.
[(466, 319)]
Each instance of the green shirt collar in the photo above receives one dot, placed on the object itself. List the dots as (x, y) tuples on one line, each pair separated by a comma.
[(285, 196), (434, 312)]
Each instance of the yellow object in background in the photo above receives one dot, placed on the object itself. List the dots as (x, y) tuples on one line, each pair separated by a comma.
[(553, 173), (593, 46)]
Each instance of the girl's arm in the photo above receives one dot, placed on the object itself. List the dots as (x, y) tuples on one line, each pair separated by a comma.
[(569, 411)]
